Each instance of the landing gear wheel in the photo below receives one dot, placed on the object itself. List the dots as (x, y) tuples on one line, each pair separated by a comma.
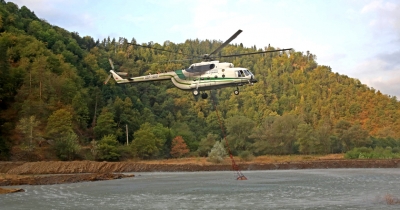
[(204, 95), (196, 92), (236, 92)]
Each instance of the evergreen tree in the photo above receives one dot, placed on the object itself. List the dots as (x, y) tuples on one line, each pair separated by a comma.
[(29, 129), (105, 124)]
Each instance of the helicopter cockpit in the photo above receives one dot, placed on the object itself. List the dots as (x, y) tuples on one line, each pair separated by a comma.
[(243, 73)]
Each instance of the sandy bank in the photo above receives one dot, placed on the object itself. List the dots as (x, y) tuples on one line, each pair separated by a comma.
[(71, 167)]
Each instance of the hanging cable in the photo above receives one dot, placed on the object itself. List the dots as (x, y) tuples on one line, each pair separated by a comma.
[(239, 174)]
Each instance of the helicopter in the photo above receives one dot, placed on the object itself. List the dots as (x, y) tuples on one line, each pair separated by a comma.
[(209, 74)]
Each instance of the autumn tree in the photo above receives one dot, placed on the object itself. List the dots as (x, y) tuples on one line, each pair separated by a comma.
[(179, 147)]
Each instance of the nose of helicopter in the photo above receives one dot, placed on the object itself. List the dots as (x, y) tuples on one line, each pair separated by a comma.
[(253, 80)]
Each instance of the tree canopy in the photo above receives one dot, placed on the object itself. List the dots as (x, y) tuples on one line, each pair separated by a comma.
[(51, 81)]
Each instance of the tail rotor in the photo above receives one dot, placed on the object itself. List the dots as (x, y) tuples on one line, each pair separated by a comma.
[(112, 69)]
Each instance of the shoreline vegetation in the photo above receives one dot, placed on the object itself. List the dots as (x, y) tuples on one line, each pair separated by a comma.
[(58, 172)]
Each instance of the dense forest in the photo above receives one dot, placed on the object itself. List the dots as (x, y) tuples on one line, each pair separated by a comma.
[(54, 105)]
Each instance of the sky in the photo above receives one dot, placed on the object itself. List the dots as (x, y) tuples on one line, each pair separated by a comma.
[(357, 38)]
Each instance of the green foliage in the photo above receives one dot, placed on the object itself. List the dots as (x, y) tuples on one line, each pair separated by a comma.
[(239, 128), (206, 144), (59, 124), (107, 148), (4, 148), (297, 106), (351, 135), (246, 156), (305, 138), (105, 124), (183, 129), (125, 152), (67, 146), (369, 153), (146, 143), (217, 153), (81, 109), (277, 135), (29, 129)]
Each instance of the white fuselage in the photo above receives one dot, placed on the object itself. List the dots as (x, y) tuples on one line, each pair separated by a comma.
[(200, 76)]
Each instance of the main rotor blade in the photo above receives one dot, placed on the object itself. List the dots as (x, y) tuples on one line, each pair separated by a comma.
[(227, 42), (253, 53), (108, 78), (158, 49), (111, 63), (181, 60)]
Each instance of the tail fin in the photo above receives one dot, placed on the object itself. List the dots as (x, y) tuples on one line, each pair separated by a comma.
[(116, 76)]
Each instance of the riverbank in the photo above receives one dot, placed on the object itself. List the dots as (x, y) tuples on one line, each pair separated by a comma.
[(57, 172)]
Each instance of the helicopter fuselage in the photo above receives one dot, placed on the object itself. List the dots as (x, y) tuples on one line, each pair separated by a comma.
[(199, 77)]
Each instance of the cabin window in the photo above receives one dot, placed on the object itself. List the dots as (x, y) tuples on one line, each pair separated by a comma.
[(212, 66), (240, 73)]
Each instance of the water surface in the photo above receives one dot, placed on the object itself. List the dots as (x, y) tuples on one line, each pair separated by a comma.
[(281, 189)]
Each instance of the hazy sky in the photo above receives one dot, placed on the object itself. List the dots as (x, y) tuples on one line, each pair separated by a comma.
[(358, 38)]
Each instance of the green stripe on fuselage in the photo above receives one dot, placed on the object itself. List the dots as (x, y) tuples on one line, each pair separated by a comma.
[(180, 74)]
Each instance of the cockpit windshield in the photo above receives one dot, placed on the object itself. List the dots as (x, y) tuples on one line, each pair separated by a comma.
[(249, 72), (243, 73)]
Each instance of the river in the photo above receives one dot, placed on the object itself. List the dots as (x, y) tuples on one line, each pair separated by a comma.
[(280, 189)]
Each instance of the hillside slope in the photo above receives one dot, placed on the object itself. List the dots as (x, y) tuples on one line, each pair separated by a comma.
[(52, 94)]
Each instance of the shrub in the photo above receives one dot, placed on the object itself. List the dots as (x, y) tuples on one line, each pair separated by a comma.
[(368, 153), (108, 148), (217, 153), (246, 156), (67, 146), (125, 152)]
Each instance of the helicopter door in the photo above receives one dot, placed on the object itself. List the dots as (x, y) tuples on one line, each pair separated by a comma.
[(240, 74)]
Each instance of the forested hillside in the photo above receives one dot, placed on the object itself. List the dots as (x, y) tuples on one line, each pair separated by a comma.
[(54, 103)]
